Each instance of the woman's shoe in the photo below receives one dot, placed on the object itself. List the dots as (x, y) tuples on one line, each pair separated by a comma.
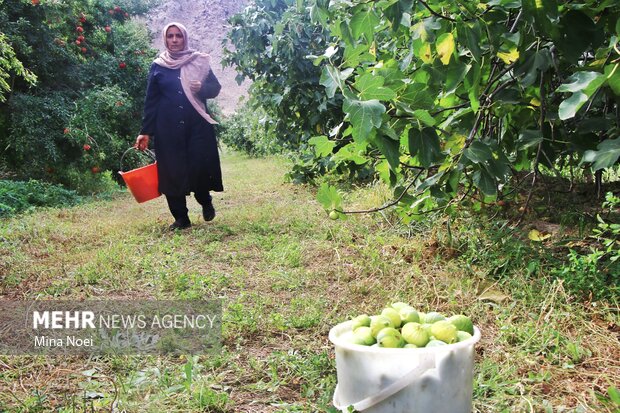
[(208, 212), (180, 224)]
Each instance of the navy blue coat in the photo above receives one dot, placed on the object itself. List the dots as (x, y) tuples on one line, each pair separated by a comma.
[(185, 144)]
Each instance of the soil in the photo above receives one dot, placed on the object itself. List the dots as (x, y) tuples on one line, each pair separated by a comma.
[(206, 22)]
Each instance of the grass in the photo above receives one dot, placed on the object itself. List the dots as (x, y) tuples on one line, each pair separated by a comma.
[(286, 274)]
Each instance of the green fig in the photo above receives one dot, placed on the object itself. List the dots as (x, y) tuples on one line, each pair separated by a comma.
[(445, 331), (462, 336), (360, 321), (433, 317), (436, 343), (393, 315), (409, 315), (462, 323), (377, 323), (414, 333), (363, 335)]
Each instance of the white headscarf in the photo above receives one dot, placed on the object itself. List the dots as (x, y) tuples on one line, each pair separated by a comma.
[(194, 66)]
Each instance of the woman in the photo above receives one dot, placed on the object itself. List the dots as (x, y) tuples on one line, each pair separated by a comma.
[(180, 80)]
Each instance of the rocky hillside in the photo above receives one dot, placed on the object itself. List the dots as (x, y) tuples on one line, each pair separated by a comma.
[(206, 22)]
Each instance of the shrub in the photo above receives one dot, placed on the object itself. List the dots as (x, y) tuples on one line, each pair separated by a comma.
[(442, 98), (91, 63), (596, 272), (20, 196), (35, 146), (250, 130)]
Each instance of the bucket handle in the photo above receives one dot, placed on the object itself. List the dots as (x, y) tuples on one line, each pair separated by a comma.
[(149, 152), (426, 364)]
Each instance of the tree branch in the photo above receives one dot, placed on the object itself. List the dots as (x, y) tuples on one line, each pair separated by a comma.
[(434, 13), (391, 204), (543, 115), (474, 129), (462, 105), (514, 24)]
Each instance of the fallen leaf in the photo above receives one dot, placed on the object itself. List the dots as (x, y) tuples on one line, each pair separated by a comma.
[(495, 296), (537, 236)]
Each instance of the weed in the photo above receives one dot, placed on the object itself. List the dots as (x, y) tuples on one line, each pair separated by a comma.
[(206, 399), (597, 272), (20, 196), (611, 399)]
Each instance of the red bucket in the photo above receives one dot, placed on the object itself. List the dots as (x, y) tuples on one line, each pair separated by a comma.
[(143, 183)]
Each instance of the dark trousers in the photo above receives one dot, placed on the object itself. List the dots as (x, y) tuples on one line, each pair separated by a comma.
[(178, 204)]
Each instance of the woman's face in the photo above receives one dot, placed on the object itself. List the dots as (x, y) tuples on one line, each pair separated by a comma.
[(174, 39)]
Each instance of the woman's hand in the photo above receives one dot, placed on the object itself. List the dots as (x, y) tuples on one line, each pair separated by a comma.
[(195, 85), (142, 142)]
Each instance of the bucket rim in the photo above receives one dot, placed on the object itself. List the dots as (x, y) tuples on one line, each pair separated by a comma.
[(336, 331), (147, 151), (138, 169)]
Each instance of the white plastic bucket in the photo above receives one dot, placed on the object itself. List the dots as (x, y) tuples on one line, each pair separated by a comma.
[(402, 380)]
